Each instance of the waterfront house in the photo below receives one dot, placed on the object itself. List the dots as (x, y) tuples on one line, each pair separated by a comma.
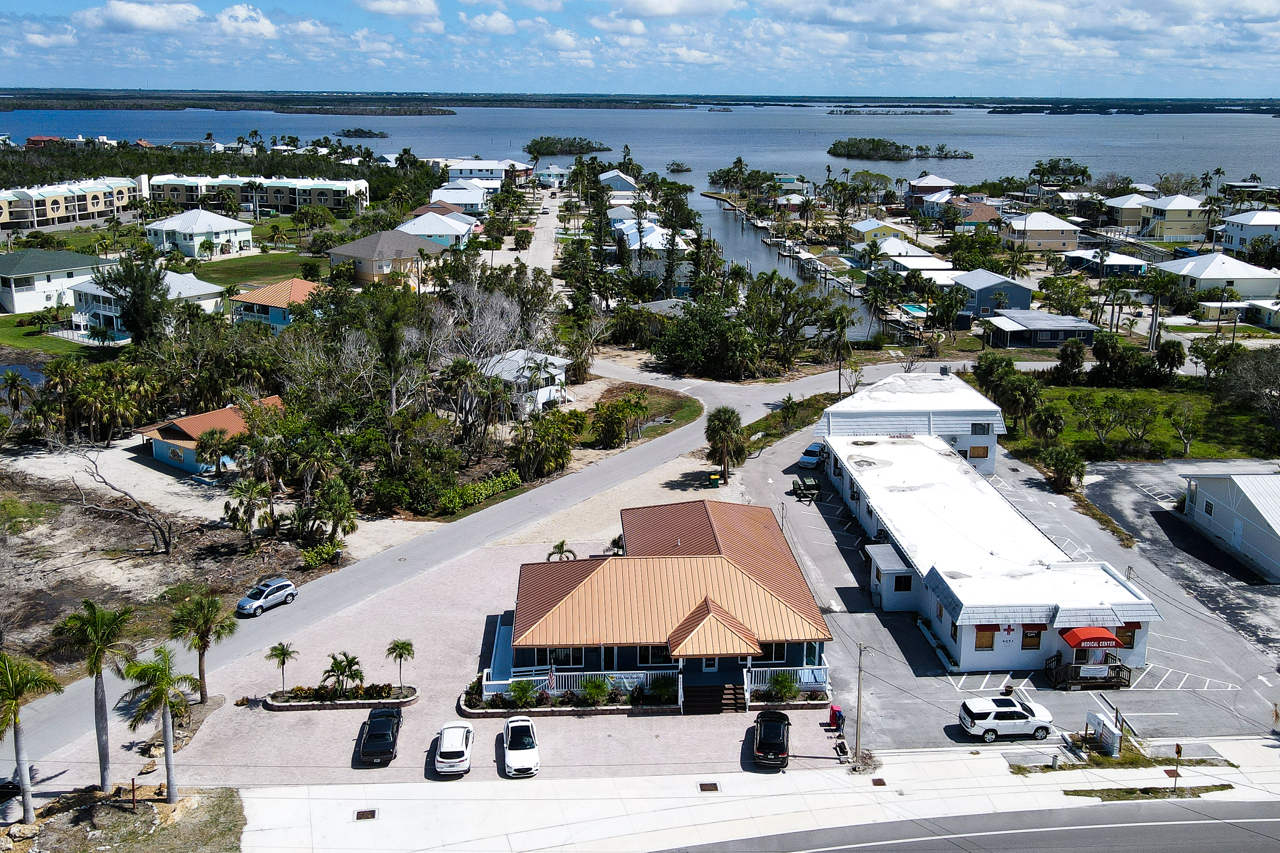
[(1241, 514), (470, 195), (990, 591), (534, 379), (1022, 328), (96, 307), (187, 232), (989, 291), (921, 187), (1241, 229), (492, 170), (451, 230), (1221, 270), (1040, 231), (890, 247), (1117, 263), (174, 442), (376, 257), (54, 207), (552, 176), (1125, 211), (874, 229), (1173, 218), (935, 404), (706, 595), (619, 181), (35, 279), (270, 304)]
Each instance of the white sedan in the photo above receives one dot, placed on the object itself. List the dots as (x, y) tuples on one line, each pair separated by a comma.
[(453, 751), (520, 747)]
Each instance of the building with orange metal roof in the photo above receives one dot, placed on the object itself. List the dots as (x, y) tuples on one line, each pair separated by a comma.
[(706, 593), (270, 304), (174, 442)]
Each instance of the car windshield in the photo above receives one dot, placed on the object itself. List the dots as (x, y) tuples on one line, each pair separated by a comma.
[(1027, 708), (521, 738), (256, 593)]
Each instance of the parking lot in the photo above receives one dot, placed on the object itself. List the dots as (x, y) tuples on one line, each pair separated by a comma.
[(1203, 677)]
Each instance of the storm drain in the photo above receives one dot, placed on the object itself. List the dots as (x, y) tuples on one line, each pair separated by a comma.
[(367, 814), (708, 787)]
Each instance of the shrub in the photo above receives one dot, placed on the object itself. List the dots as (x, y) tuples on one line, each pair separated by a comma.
[(474, 694), (815, 696), (616, 696), (783, 687), (636, 697), (665, 688), (595, 690), (325, 552), (1065, 468), (388, 495), (570, 698), (524, 239), (545, 699), (522, 693), (458, 498), (497, 701)]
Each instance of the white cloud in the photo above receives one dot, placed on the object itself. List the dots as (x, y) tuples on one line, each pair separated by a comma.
[(245, 21), (66, 38), (614, 24), (544, 5), (674, 8), (122, 16), (561, 40), (402, 8), (494, 23)]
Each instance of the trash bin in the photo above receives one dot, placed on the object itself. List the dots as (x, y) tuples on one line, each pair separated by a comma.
[(835, 715), (713, 480)]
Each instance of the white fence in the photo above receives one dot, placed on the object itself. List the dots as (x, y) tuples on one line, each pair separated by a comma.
[(564, 681), (807, 678)]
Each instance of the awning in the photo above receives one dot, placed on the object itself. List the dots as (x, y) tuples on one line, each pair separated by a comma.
[(1090, 638)]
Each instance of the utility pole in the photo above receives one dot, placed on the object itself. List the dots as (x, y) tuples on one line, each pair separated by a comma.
[(857, 725)]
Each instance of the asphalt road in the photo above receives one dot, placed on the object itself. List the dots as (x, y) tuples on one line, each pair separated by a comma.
[(1192, 826)]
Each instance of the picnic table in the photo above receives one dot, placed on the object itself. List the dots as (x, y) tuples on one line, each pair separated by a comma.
[(806, 488)]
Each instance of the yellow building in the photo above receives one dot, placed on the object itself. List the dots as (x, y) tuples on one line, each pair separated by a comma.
[(1173, 218), (874, 229)]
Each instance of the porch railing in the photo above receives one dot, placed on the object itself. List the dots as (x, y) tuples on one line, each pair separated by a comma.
[(570, 680), (807, 678)]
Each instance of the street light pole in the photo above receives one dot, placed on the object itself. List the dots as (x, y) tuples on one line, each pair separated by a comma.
[(857, 725)]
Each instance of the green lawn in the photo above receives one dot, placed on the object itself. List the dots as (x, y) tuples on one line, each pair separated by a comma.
[(262, 230), (256, 270), (1240, 330), (30, 338), (1228, 432)]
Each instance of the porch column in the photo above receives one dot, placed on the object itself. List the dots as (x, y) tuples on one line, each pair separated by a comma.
[(680, 685)]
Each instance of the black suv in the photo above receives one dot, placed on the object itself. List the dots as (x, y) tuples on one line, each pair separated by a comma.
[(381, 733), (773, 739)]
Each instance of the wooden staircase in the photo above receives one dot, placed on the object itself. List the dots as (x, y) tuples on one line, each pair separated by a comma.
[(714, 699)]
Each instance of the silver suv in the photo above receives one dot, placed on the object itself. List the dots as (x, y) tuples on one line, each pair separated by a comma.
[(266, 595)]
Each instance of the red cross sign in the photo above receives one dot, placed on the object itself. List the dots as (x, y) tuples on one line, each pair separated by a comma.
[(1009, 630)]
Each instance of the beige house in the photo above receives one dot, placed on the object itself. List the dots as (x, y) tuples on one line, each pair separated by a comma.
[(1173, 218), (1040, 232), (377, 256), (1125, 211)]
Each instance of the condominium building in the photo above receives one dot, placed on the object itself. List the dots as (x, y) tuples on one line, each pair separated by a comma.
[(283, 195), (60, 206)]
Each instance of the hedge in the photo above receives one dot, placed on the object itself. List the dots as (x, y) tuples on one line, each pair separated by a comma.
[(458, 498)]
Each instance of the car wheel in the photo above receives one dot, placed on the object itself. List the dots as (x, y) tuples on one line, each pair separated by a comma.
[(288, 599), (1042, 733), (989, 735), (257, 611)]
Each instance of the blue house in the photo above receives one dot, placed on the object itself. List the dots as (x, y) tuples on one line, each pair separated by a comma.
[(270, 304), (983, 285), (174, 442), (707, 596)]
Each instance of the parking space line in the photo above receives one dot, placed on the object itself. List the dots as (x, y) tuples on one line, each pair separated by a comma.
[(1177, 655), (1184, 681), (1167, 637), (1166, 675), (1145, 673)]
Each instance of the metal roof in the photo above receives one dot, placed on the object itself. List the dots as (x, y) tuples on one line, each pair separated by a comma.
[(33, 261), (1262, 490), (386, 245), (518, 364), (1044, 321), (711, 631), (199, 220), (279, 295)]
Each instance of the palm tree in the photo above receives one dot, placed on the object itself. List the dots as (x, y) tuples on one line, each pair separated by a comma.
[(16, 389), (212, 446), (724, 435), (281, 654), (21, 680), (251, 496), (201, 622), (207, 247), (1016, 264), (98, 634), (562, 552), (335, 506), (343, 669), (161, 691), (400, 651)]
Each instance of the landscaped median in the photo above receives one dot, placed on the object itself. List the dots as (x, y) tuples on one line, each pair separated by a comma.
[(325, 699)]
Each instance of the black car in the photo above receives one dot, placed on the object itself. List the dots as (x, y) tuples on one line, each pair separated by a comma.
[(9, 790), (381, 733), (773, 739)]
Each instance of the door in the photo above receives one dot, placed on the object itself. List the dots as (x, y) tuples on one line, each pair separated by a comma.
[(276, 594), (1237, 533)]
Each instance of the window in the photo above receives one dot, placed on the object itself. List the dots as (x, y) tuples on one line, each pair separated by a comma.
[(558, 657), (1208, 507), (811, 655), (1030, 640), (878, 579), (985, 639), (1127, 634), (710, 664), (654, 656), (771, 653), (986, 309), (955, 633), (902, 583), (979, 429), (610, 658), (978, 451), (939, 609)]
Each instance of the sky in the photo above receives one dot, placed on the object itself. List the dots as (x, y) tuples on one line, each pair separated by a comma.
[(1093, 48)]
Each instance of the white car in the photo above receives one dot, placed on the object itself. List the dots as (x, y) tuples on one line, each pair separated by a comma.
[(812, 455), (453, 751), (1005, 717), (520, 747)]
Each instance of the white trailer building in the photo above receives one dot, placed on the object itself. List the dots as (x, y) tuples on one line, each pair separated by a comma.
[(1241, 513)]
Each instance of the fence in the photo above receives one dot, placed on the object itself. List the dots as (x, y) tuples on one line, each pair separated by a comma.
[(807, 677), (570, 680)]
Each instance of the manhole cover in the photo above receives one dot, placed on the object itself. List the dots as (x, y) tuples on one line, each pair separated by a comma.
[(878, 783), (1172, 774), (708, 787), (366, 814)]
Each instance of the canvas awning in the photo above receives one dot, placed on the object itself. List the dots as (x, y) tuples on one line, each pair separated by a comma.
[(1090, 638)]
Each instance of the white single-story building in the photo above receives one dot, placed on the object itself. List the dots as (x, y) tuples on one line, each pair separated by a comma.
[(921, 404), (992, 592), (1117, 263), (35, 279), (906, 263), (1241, 512), (536, 378), (188, 232), (451, 230), (1221, 270)]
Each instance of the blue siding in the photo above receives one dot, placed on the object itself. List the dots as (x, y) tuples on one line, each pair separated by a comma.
[(178, 457)]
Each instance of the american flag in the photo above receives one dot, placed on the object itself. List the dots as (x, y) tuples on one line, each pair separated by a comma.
[(551, 678)]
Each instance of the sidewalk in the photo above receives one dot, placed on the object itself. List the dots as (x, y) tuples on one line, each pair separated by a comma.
[(655, 813)]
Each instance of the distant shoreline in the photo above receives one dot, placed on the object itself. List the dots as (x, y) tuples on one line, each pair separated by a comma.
[(446, 104)]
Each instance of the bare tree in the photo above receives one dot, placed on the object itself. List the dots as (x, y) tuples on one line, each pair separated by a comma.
[(910, 359), (160, 528)]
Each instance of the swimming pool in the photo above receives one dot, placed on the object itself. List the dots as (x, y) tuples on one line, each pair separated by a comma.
[(919, 311)]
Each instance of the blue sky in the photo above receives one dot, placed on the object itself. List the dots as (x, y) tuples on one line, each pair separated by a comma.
[(1170, 48)]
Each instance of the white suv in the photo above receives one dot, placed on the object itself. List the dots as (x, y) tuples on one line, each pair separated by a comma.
[(1005, 717)]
